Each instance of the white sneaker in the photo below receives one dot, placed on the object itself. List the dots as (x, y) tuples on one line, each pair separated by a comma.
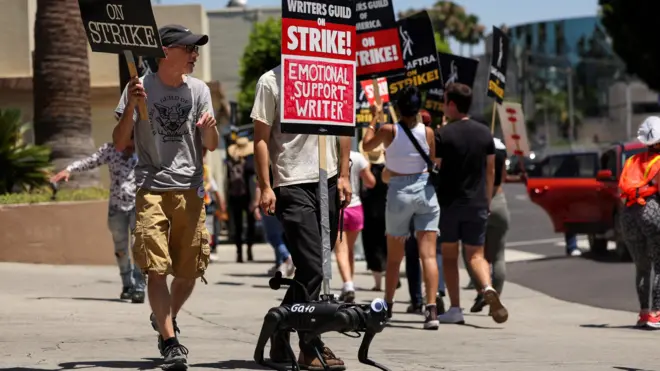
[(576, 252), (287, 269), (214, 258), (454, 316)]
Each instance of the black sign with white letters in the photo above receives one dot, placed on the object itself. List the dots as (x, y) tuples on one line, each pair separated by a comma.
[(498, 62), (420, 55), (113, 26), (454, 69)]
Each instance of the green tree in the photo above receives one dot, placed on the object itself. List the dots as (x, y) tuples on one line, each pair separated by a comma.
[(262, 54), (24, 166), (631, 26), (61, 85)]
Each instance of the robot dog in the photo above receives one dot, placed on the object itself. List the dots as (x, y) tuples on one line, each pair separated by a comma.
[(317, 317)]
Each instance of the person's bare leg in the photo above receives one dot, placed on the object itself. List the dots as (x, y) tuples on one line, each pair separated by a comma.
[(478, 265), (450, 267), (395, 253), (428, 256), (159, 300), (180, 292), (351, 237), (378, 280), (341, 253)]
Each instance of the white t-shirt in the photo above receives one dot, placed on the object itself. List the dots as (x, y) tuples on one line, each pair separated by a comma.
[(358, 163), (293, 157)]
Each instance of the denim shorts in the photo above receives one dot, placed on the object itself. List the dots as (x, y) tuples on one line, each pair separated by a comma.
[(411, 198)]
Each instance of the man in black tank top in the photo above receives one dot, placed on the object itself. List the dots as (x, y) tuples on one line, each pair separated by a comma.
[(466, 153)]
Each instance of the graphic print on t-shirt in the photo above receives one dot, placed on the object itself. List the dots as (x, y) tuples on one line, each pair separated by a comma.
[(171, 113)]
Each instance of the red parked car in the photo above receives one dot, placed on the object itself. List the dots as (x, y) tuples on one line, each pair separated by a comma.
[(579, 191)]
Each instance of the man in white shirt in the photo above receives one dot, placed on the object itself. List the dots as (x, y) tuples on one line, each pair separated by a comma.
[(294, 199)]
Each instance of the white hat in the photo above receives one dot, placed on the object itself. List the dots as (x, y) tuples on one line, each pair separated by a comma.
[(375, 156), (649, 131), (244, 147)]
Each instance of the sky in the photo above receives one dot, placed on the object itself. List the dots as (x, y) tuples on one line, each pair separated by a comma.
[(490, 12)]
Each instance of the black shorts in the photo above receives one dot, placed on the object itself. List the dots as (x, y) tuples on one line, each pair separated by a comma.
[(463, 223)]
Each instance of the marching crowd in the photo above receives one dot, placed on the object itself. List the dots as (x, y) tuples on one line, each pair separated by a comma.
[(410, 191)]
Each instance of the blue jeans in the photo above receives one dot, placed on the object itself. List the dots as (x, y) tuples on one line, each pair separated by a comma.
[(411, 199), (414, 270), (571, 242), (121, 224), (275, 237)]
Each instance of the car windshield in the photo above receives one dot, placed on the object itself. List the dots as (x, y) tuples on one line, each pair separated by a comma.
[(625, 155)]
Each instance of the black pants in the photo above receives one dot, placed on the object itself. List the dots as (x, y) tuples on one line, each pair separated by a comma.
[(298, 210), (238, 206), (374, 242)]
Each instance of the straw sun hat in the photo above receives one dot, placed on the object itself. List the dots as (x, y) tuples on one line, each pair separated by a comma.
[(376, 156), (242, 148)]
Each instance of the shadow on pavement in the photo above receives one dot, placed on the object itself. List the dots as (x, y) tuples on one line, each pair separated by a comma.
[(81, 298), (606, 326), (418, 325), (253, 275), (229, 283), (234, 364), (144, 364), (629, 368)]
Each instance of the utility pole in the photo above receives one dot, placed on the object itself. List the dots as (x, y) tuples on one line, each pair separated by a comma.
[(571, 111)]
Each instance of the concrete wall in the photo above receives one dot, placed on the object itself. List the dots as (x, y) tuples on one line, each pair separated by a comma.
[(57, 233)]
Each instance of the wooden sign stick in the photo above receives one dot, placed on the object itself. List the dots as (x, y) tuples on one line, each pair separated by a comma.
[(325, 216), (492, 120), (132, 70)]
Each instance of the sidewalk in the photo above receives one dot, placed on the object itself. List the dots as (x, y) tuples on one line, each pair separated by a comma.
[(66, 317)]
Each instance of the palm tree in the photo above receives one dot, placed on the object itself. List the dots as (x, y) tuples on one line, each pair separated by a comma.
[(61, 85)]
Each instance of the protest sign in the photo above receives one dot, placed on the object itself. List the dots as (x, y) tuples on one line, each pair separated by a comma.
[(144, 65), (498, 63), (362, 114), (514, 129), (453, 69), (122, 26), (378, 48), (419, 54), (368, 89), (318, 67)]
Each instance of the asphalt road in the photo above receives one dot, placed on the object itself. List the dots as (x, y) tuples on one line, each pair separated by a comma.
[(600, 282)]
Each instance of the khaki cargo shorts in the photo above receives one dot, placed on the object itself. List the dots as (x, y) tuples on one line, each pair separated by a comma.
[(170, 234)]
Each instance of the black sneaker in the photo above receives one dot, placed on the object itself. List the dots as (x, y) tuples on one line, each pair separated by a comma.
[(137, 297), (440, 304), (431, 318), (347, 296), (154, 325), (415, 309), (175, 357), (126, 293), (479, 304)]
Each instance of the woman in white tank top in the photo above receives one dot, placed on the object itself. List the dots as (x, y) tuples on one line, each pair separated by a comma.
[(410, 197)]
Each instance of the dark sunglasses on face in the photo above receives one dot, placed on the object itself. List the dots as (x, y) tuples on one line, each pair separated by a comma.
[(188, 48)]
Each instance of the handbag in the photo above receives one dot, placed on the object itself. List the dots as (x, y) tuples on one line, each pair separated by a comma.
[(434, 171)]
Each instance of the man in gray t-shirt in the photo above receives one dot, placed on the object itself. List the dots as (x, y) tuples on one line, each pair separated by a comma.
[(170, 233)]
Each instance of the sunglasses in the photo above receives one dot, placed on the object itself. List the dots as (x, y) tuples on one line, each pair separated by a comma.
[(188, 48)]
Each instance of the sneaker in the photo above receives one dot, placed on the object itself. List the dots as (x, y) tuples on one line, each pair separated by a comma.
[(440, 304), (649, 321), (126, 293), (574, 252), (137, 297), (415, 309), (175, 357), (431, 318), (479, 304), (154, 325), (272, 270), (497, 309), (310, 361), (347, 296), (287, 268), (453, 316)]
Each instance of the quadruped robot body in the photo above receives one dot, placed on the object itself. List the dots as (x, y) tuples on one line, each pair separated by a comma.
[(314, 318)]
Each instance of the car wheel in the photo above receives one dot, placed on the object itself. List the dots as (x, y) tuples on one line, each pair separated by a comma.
[(622, 253), (597, 245)]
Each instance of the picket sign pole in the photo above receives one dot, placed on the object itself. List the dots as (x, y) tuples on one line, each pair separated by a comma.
[(492, 120), (395, 119), (132, 70), (325, 217)]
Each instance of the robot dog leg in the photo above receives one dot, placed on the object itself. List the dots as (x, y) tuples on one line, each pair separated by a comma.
[(314, 318)]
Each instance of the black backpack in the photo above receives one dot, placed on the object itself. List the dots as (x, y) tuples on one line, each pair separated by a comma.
[(237, 184)]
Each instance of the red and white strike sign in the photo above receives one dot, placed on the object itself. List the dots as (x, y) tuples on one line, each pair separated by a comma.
[(368, 87), (514, 130)]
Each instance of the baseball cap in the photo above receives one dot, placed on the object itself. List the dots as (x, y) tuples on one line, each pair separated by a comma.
[(649, 131), (174, 34)]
